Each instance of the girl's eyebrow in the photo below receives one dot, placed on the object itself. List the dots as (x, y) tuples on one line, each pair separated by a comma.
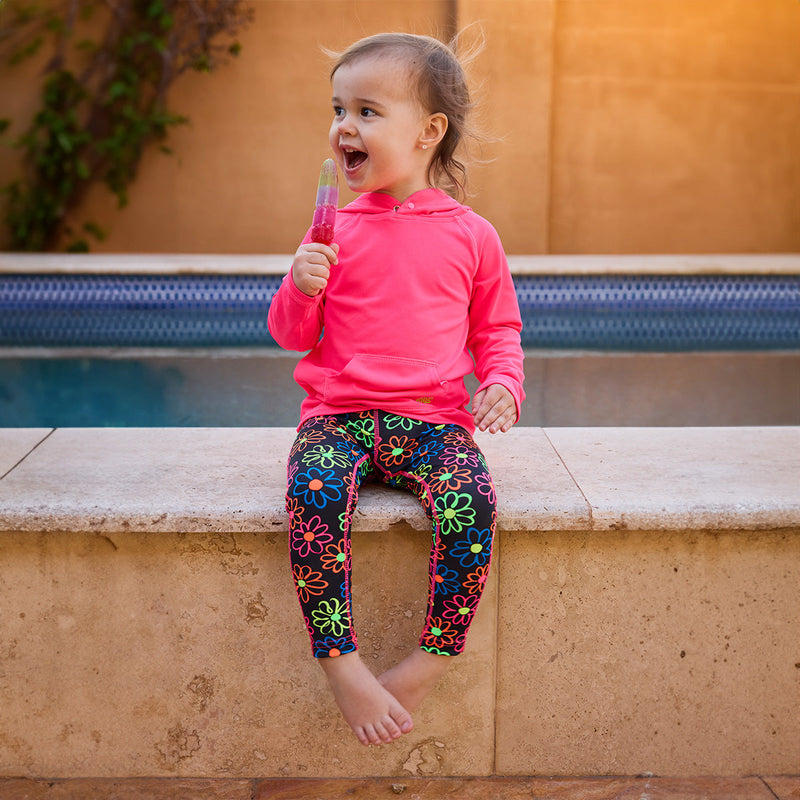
[(361, 101)]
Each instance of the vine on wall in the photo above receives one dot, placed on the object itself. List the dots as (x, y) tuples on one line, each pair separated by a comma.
[(104, 97)]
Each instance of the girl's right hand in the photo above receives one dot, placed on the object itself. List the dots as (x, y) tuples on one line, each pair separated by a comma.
[(311, 267)]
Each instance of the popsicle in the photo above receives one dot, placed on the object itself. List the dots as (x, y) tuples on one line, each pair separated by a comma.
[(327, 201)]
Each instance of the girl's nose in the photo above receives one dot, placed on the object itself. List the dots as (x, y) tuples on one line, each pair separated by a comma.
[(346, 124)]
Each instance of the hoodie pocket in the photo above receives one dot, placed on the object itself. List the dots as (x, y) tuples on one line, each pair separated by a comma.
[(374, 379)]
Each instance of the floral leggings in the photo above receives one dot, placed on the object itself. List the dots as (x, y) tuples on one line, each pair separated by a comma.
[(441, 464)]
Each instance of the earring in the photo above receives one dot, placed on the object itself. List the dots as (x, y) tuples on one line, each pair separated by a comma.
[(424, 147)]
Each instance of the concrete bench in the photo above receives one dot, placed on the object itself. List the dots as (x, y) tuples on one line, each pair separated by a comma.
[(641, 616)]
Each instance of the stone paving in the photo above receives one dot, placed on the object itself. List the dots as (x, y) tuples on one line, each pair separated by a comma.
[(517, 788)]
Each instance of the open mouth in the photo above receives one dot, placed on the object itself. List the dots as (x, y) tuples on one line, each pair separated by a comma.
[(353, 158)]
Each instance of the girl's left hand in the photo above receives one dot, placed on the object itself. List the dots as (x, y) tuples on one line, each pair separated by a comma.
[(494, 409)]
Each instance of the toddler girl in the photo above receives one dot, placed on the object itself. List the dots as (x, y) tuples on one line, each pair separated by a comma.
[(414, 294)]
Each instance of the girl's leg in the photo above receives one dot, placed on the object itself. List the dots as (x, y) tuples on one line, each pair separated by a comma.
[(444, 467), (327, 464), (461, 503), (324, 473)]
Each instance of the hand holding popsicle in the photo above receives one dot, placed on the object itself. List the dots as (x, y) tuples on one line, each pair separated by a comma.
[(312, 262)]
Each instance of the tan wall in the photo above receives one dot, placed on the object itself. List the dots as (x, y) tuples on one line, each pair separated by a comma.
[(624, 125), (611, 653)]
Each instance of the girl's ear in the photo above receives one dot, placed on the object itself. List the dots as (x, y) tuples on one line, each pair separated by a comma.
[(434, 130)]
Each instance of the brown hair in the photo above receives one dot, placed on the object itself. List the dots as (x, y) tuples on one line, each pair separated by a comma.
[(441, 88)]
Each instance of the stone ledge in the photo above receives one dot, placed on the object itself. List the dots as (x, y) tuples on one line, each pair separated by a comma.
[(232, 479), (278, 264)]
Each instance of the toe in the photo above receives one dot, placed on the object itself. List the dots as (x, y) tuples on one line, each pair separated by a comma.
[(362, 736), (373, 737), (403, 721), (391, 729)]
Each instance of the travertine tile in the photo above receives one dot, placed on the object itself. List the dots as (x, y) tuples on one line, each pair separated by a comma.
[(134, 654), (122, 789), (159, 479), (534, 490), (685, 478), (672, 653), (496, 788), (233, 479), (785, 787), (516, 788), (16, 443)]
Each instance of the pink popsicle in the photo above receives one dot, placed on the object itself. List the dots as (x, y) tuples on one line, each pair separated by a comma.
[(327, 201)]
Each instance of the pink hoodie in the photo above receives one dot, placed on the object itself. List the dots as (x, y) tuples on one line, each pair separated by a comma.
[(421, 296)]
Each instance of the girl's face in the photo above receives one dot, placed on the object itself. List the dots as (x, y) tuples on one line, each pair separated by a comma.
[(380, 135)]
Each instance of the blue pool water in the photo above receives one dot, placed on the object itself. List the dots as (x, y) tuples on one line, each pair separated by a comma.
[(195, 350)]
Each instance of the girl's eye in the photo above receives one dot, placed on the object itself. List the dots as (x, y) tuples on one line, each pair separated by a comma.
[(367, 112), (338, 111)]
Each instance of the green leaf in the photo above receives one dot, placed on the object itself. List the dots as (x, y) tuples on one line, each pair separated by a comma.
[(55, 25), (95, 230), (65, 142), (79, 246), (118, 89), (26, 51), (87, 46)]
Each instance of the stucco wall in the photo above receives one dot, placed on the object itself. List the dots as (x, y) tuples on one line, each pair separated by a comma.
[(621, 126)]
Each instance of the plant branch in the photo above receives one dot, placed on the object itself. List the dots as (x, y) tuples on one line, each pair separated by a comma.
[(94, 124)]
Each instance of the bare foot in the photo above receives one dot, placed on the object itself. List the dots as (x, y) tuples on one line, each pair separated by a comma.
[(370, 709), (412, 680)]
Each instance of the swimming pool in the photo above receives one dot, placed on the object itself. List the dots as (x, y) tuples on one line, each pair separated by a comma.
[(85, 349), (657, 313)]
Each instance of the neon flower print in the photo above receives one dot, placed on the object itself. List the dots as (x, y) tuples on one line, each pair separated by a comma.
[(473, 550), (451, 478), (345, 518), (460, 609), (447, 580), (485, 486), (455, 512), (325, 456), (308, 582), (440, 633), (392, 421), (310, 537), (426, 451), (335, 556), (435, 463), (459, 456), (305, 439), (318, 487), (330, 616), (455, 436), (397, 450), (419, 468), (476, 580), (293, 507), (435, 650), (362, 430), (331, 647)]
